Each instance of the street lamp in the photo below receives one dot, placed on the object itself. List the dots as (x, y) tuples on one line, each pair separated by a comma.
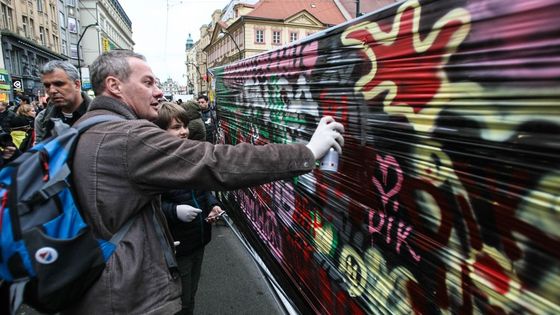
[(233, 40), (79, 41)]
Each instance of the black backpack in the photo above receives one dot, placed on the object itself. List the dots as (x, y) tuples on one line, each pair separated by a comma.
[(48, 255)]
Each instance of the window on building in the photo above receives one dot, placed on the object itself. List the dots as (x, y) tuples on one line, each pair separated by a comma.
[(42, 38), (276, 38), (16, 66), (259, 36), (7, 20), (71, 3), (74, 51), (40, 5), (55, 43), (62, 19), (32, 28), (72, 25), (293, 36), (25, 26), (64, 47)]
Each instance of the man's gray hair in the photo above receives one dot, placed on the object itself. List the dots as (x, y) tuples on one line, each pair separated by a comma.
[(111, 63), (65, 66)]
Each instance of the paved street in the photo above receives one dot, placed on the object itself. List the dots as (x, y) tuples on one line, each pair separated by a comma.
[(231, 282)]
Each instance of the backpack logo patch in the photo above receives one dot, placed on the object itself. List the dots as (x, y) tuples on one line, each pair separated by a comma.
[(46, 255)]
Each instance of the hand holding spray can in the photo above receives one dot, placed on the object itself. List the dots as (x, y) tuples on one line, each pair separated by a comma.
[(329, 163)]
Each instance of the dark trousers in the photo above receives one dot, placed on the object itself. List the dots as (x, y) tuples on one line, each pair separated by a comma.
[(189, 268)]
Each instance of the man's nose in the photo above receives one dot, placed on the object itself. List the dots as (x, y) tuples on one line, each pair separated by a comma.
[(51, 89), (158, 93)]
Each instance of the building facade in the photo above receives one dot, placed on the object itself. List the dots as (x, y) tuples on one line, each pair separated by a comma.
[(111, 28), (33, 32), (69, 26), (355, 8), (30, 36), (250, 29), (192, 75), (245, 28)]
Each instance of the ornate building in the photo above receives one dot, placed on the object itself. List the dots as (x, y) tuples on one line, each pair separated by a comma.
[(29, 33), (254, 28)]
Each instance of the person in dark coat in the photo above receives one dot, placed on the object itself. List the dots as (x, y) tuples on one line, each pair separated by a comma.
[(189, 212), (197, 130), (21, 127), (6, 117), (8, 151), (66, 101), (208, 116)]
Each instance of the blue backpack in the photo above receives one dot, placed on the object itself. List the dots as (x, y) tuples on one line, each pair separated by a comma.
[(48, 255)]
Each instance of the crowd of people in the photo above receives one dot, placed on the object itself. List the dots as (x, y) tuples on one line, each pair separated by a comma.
[(17, 126), (163, 158)]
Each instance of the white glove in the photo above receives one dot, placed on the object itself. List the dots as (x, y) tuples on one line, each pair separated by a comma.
[(187, 213), (327, 135)]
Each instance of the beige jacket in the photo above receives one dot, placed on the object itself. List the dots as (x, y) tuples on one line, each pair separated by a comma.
[(120, 169)]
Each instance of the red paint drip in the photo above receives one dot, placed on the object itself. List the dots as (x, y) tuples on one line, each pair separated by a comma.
[(491, 270)]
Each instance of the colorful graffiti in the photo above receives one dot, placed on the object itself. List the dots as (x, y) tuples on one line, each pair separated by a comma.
[(447, 198)]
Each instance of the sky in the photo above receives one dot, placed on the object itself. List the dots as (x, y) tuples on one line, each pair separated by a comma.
[(160, 33)]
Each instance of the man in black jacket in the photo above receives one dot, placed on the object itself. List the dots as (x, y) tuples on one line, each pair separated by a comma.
[(66, 101), (6, 117), (208, 116)]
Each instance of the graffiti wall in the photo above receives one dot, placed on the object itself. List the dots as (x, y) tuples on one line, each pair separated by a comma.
[(447, 195)]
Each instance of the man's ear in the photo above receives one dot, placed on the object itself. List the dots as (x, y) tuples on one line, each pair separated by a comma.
[(113, 85)]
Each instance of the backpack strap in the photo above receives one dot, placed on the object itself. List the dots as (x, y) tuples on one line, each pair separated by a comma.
[(82, 127), (117, 237), (167, 251), (16, 295), (57, 184), (54, 186), (94, 120)]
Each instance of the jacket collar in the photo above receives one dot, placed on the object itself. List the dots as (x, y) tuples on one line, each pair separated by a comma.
[(113, 105), (82, 109)]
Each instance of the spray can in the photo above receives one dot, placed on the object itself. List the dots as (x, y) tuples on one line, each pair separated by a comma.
[(329, 163)]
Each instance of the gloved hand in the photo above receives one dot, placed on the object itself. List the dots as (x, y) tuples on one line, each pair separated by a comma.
[(327, 135), (187, 213)]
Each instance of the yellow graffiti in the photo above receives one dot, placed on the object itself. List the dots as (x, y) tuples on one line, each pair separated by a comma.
[(353, 268), (498, 119), (434, 166), (324, 235), (541, 207), (387, 288), (425, 119)]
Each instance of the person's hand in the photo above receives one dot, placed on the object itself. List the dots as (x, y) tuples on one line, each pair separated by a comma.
[(214, 215), (187, 213), (327, 135), (8, 152)]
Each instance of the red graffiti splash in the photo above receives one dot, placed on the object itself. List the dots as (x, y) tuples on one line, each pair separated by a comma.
[(416, 75), (491, 270), (332, 106)]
